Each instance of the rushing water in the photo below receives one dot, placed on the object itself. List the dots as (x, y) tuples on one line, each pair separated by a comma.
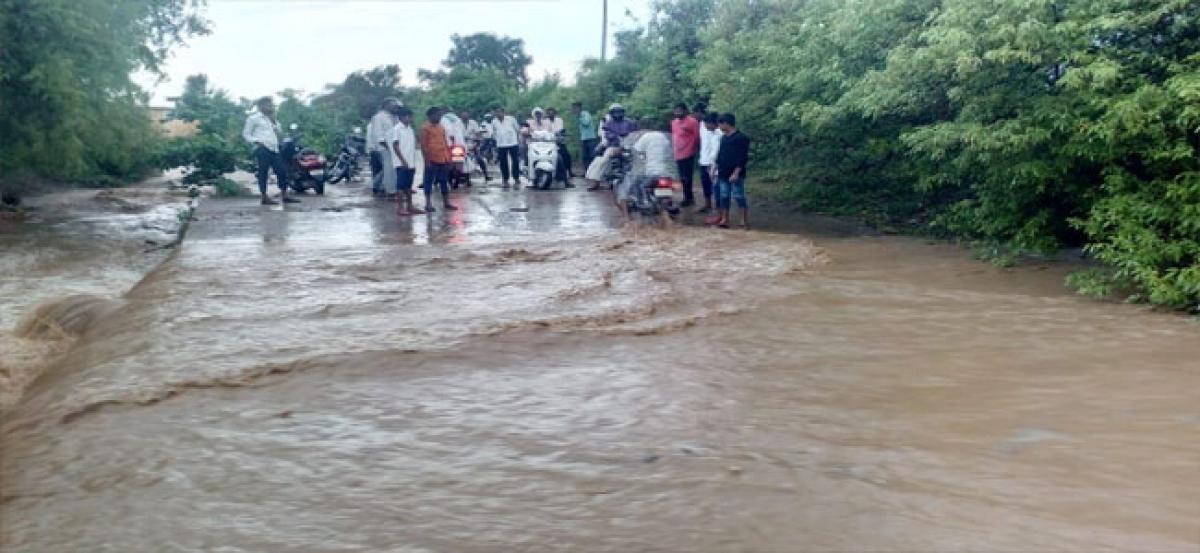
[(524, 376)]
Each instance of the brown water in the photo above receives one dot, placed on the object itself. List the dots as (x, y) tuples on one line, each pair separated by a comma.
[(337, 379)]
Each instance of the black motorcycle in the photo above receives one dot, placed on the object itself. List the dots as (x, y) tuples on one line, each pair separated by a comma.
[(347, 163)]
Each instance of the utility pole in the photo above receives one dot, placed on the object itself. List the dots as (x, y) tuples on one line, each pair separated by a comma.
[(604, 34)]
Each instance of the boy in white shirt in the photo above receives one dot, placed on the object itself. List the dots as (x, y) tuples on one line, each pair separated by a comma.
[(710, 145), (404, 156)]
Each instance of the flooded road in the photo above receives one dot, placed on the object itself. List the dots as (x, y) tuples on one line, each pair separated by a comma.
[(522, 375)]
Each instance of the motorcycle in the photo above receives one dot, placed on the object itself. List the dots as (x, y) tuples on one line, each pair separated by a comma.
[(346, 165), (654, 198), (618, 168), (543, 159), (306, 167), (458, 163)]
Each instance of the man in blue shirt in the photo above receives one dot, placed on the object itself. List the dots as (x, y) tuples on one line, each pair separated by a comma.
[(587, 133)]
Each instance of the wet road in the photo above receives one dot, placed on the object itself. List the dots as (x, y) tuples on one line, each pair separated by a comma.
[(524, 375)]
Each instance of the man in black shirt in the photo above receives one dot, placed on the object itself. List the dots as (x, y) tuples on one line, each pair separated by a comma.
[(731, 172)]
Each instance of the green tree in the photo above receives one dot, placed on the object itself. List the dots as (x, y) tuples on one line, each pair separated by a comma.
[(485, 51), (71, 111)]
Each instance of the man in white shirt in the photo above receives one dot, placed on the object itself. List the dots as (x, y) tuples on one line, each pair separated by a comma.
[(710, 145), (456, 135), (404, 158), (262, 131), (475, 138), (383, 180), (507, 131), (654, 157)]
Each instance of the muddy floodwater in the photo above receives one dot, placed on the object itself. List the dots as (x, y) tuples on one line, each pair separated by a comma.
[(525, 375)]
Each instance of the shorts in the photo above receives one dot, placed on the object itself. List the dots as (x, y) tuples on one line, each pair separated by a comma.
[(728, 190), (404, 179)]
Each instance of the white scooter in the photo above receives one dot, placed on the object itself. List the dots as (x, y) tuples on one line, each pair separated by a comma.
[(543, 159)]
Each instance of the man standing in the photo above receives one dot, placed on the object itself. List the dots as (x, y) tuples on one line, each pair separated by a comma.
[(564, 155), (506, 132), (383, 180), (262, 131), (732, 158), (587, 133), (437, 159), (404, 150), (456, 135), (685, 136)]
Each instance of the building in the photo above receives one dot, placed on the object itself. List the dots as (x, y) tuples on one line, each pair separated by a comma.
[(171, 127)]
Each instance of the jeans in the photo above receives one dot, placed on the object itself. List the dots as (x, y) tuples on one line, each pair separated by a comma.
[(440, 173), (686, 168), (587, 149), (270, 161), (510, 155), (706, 181), (727, 190)]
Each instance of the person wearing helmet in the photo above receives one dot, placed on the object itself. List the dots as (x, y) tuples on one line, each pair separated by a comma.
[(615, 128)]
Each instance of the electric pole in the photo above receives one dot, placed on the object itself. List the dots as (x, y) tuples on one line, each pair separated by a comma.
[(604, 34)]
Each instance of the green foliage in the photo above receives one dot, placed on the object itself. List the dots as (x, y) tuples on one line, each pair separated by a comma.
[(209, 156), (70, 110), (226, 188), (485, 51)]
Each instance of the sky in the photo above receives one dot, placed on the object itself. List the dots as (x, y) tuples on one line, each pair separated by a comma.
[(259, 47)]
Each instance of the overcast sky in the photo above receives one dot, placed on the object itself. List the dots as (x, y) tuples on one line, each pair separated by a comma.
[(259, 47)]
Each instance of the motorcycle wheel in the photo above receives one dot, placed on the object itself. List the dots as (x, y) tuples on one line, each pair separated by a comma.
[(544, 180), (319, 187), (339, 171)]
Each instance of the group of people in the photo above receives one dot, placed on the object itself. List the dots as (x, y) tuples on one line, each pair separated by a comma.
[(695, 138)]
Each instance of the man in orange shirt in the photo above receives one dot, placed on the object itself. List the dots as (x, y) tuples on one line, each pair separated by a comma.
[(437, 159)]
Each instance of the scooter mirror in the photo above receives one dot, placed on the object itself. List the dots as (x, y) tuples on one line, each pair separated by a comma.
[(293, 126)]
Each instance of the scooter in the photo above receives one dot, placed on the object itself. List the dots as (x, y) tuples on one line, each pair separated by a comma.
[(306, 168), (543, 159)]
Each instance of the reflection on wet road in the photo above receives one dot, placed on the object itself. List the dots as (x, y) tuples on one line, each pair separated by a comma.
[(336, 378)]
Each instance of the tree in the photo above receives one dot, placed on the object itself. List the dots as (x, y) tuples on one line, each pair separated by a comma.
[(70, 109), (486, 51), (362, 92)]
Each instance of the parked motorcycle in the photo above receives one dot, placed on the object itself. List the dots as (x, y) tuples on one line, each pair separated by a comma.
[(347, 164), (543, 159), (306, 167)]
